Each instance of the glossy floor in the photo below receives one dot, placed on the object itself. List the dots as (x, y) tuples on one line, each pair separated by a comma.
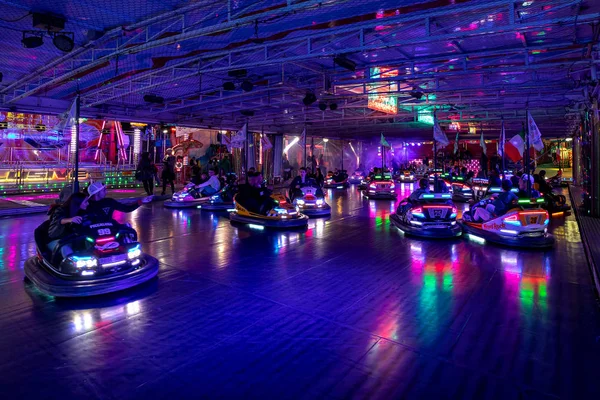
[(348, 308)]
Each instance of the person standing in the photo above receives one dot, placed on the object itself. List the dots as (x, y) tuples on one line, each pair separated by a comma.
[(145, 170), (168, 173)]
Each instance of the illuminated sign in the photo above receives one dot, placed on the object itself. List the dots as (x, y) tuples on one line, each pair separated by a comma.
[(379, 97)]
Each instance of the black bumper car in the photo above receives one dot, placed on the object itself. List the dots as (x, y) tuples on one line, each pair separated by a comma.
[(461, 192), (432, 216), (381, 187), (106, 258), (406, 177), (337, 181), (356, 178), (310, 201), (283, 216)]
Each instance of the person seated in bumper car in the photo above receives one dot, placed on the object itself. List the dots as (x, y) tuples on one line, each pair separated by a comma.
[(422, 189), (543, 183), (523, 188), (211, 186), (499, 206), (302, 180), (104, 207), (494, 179), (253, 196), (63, 218)]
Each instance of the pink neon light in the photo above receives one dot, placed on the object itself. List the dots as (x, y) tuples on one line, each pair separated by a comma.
[(100, 141), (105, 239)]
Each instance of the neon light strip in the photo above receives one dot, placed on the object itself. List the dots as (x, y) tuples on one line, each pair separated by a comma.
[(100, 141), (120, 134), (114, 263)]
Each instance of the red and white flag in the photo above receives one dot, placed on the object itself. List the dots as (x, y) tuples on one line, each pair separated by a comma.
[(515, 147)]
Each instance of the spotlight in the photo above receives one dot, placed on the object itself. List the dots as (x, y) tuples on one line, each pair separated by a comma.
[(152, 98), (3, 125), (40, 127), (309, 99), (343, 62), (64, 41), (31, 40), (247, 113), (228, 86), (247, 86), (325, 140), (322, 106), (333, 106)]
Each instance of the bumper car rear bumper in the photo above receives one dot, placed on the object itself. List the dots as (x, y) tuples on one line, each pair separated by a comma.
[(323, 211), (222, 206), (182, 204), (538, 242), (299, 222), (53, 285), (452, 231)]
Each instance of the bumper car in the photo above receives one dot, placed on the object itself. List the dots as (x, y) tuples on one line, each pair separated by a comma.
[(480, 187), (188, 197), (519, 227), (337, 181), (461, 192), (381, 187), (432, 216), (223, 199), (356, 178), (312, 203), (283, 216), (406, 177), (107, 258), (556, 205)]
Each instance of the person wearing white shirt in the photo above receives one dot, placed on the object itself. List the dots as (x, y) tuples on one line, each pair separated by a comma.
[(211, 186)]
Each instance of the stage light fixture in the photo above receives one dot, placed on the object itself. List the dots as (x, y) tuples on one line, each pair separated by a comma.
[(247, 113), (247, 86), (343, 62), (228, 86), (333, 106), (1, 76), (309, 99), (152, 98), (64, 41), (322, 106), (416, 94), (40, 127), (3, 125), (32, 39)]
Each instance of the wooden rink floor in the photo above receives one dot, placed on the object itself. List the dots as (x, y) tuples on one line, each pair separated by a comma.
[(349, 308)]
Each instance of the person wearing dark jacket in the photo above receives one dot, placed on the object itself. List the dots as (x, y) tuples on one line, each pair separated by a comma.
[(253, 196), (302, 180), (102, 206), (63, 218), (145, 171), (168, 173)]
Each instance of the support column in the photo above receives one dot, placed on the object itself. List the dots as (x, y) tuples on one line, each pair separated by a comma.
[(278, 155), (577, 157), (251, 150), (595, 153)]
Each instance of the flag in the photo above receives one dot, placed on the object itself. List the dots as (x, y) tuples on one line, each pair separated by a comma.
[(456, 144), (438, 133), (482, 143), (67, 119), (240, 137), (384, 142), (515, 146), (266, 143), (501, 140), (302, 141), (535, 136), (226, 140)]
